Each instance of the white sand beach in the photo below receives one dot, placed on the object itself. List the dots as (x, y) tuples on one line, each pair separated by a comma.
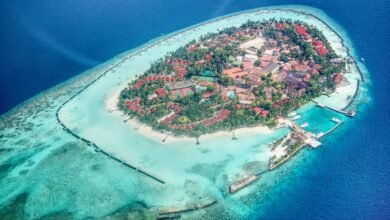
[(149, 132)]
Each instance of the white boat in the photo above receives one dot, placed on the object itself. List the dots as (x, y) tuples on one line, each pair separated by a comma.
[(304, 125), (291, 114), (334, 119), (296, 117)]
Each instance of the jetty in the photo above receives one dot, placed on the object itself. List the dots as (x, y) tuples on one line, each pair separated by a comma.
[(313, 142), (330, 130), (347, 113), (175, 212), (240, 184), (273, 165)]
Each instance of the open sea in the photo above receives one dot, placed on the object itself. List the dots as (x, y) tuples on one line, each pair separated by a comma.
[(46, 42)]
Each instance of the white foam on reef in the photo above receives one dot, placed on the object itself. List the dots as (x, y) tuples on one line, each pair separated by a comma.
[(90, 184)]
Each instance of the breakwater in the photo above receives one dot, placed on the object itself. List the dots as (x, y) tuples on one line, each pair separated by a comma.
[(353, 97), (172, 213)]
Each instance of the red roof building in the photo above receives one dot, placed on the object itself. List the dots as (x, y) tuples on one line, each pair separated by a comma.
[(320, 48), (181, 92), (230, 71), (300, 30), (207, 57), (160, 92), (338, 78), (180, 71), (264, 113), (300, 67), (321, 51), (192, 47), (257, 110), (279, 26), (317, 43), (133, 105)]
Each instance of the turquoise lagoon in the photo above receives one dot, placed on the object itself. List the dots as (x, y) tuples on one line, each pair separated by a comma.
[(45, 171)]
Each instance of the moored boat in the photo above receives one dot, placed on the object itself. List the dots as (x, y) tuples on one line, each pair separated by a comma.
[(296, 117), (304, 125), (292, 114), (334, 119)]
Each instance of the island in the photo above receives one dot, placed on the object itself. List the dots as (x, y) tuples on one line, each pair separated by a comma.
[(208, 122), (238, 77)]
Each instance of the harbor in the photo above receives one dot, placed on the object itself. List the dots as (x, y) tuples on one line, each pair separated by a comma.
[(299, 137)]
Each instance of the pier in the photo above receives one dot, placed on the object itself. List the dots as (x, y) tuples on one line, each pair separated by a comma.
[(331, 130), (347, 113), (343, 110)]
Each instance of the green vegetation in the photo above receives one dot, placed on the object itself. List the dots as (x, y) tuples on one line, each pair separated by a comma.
[(187, 92)]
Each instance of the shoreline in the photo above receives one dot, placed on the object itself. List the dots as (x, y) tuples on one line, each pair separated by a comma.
[(165, 136), (148, 132)]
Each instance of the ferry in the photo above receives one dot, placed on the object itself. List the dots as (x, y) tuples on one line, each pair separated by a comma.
[(334, 119), (296, 117), (304, 125), (292, 114)]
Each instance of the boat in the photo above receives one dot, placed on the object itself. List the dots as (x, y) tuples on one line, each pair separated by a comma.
[(334, 119), (304, 125), (292, 114), (362, 59), (296, 117)]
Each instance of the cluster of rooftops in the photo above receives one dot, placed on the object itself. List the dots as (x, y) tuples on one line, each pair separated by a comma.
[(257, 63)]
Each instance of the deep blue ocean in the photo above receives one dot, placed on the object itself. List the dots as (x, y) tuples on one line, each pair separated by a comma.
[(45, 42)]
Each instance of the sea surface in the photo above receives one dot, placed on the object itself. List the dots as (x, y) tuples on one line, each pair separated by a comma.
[(46, 42)]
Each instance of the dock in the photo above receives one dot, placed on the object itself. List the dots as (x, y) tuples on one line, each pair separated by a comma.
[(312, 142)]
